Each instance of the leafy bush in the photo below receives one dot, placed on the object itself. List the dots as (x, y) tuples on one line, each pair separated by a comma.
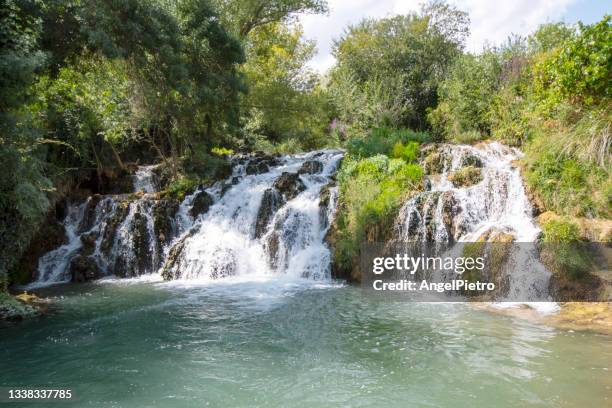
[(566, 185), (565, 255), (579, 70), (371, 191), (382, 140), (560, 230), (408, 153)]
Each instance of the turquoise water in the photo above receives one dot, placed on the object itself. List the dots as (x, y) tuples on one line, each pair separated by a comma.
[(294, 343)]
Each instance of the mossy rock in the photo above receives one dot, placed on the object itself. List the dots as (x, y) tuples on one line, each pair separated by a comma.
[(434, 163), (13, 309), (466, 176)]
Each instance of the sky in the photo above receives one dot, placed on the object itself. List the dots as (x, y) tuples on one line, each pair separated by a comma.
[(492, 21)]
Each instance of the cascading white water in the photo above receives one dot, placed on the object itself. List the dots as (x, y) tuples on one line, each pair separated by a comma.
[(252, 230), (496, 204), (144, 179), (238, 233)]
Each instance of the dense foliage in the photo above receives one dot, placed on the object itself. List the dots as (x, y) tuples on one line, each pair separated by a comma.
[(388, 70), (372, 186), (550, 94), (91, 87)]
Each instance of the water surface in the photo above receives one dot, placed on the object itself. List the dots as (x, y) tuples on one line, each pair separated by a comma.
[(279, 343)]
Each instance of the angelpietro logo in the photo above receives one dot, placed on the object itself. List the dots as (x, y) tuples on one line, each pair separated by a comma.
[(486, 271)]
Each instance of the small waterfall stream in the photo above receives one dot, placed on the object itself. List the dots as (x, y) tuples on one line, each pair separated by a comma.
[(492, 207), (269, 217)]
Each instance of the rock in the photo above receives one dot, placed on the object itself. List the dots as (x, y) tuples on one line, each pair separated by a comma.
[(466, 176), (311, 167), (471, 160), (164, 212), (112, 223), (257, 168), (51, 235), (84, 269), (13, 309), (289, 185), (449, 212), (271, 246), (89, 214), (325, 195), (495, 234), (171, 268), (434, 163), (271, 201), (141, 242), (201, 203), (89, 242)]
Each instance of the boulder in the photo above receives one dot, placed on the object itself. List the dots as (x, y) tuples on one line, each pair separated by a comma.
[(311, 167), (170, 269), (201, 203), (471, 160), (83, 269), (164, 212), (257, 167), (89, 242), (466, 176), (112, 223), (89, 214), (260, 163), (289, 185), (141, 245), (271, 201)]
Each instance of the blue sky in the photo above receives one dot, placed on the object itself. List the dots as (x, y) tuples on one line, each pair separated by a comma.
[(492, 20)]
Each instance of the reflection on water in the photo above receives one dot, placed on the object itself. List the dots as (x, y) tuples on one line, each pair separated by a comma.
[(295, 343)]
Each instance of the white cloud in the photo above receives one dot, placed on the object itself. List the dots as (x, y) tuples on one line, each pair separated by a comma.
[(492, 21)]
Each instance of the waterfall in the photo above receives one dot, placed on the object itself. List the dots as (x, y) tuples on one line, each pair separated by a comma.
[(144, 179), (490, 206), (269, 217), (271, 220)]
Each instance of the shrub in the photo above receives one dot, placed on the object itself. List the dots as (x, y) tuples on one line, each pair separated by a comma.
[(560, 231), (382, 140), (371, 192), (408, 152)]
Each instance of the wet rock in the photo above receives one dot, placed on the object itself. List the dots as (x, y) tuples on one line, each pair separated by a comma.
[(271, 201), (89, 214), (271, 246), (84, 269), (201, 203), (289, 185), (449, 212), (171, 268), (141, 242), (164, 212), (89, 242), (311, 167), (434, 163), (51, 235), (325, 195), (257, 168), (471, 160), (112, 223), (466, 176)]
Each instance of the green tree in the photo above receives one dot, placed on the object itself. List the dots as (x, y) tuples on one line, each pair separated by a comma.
[(396, 64), (285, 101), (244, 16)]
